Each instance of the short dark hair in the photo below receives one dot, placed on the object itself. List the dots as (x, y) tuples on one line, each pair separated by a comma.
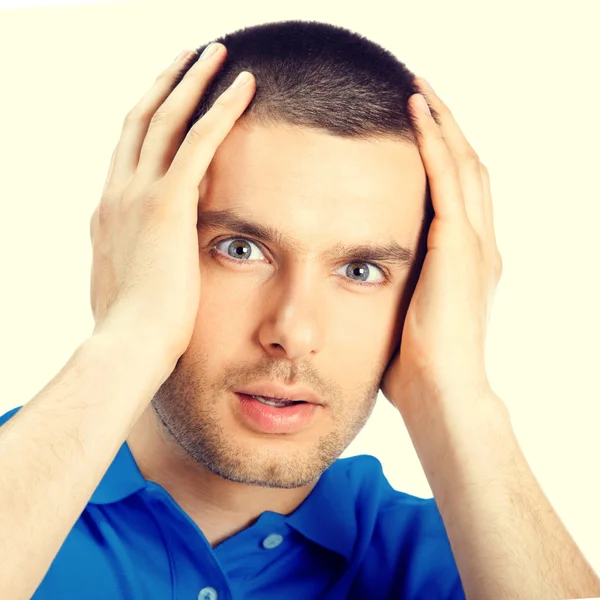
[(319, 76)]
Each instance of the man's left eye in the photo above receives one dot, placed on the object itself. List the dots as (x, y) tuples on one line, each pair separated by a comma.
[(360, 271)]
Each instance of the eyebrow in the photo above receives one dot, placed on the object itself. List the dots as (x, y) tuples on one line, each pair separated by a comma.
[(391, 252)]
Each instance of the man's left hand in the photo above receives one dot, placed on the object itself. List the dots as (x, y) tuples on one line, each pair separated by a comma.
[(443, 338)]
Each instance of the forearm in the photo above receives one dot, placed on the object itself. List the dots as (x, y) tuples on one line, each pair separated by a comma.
[(56, 449), (507, 540)]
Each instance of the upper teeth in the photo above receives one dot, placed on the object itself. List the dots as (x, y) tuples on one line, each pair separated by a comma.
[(271, 402)]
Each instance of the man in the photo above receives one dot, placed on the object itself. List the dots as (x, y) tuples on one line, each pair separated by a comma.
[(256, 280)]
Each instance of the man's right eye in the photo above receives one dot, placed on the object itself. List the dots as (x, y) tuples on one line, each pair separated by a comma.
[(237, 249)]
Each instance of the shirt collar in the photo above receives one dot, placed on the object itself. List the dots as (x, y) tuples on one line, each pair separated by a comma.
[(327, 516), (122, 479)]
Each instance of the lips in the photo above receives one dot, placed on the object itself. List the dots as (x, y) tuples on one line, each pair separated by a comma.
[(264, 418)]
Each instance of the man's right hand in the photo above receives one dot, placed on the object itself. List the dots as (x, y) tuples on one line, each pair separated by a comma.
[(145, 293), (145, 280)]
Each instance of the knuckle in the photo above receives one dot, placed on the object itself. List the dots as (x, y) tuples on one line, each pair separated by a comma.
[(471, 159), (160, 117), (94, 224), (211, 128), (436, 134), (206, 131), (196, 133), (227, 104), (104, 210), (218, 118), (166, 74), (498, 265), (222, 102), (152, 200), (110, 194), (443, 110), (131, 116), (449, 169), (150, 204), (134, 116)]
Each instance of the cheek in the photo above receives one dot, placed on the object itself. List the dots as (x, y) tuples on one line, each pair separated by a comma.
[(364, 333), (225, 305), (217, 308)]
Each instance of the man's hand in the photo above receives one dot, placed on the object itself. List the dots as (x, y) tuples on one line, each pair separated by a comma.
[(506, 538), (443, 338), (146, 275)]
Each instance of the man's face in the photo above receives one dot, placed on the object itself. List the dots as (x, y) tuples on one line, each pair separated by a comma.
[(288, 314)]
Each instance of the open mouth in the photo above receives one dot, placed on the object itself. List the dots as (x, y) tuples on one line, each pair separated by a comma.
[(275, 415), (277, 402)]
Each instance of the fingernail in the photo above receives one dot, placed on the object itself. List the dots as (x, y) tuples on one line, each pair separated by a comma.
[(427, 86), (241, 80), (182, 54), (423, 103), (209, 51)]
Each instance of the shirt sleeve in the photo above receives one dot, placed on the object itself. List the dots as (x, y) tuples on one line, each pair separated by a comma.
[(426, 568), (7, 415), (409, 556)]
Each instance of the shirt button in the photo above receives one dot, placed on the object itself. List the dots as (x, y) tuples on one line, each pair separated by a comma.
[(207, 593), (272, 541)]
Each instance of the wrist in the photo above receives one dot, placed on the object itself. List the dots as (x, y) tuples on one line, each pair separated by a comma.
[(133, 357), (460, 439), (452, 411)]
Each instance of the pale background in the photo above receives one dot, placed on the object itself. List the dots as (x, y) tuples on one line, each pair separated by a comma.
[(520, 80)]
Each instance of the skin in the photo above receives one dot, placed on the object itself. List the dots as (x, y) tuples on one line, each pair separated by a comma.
[(319, 328)]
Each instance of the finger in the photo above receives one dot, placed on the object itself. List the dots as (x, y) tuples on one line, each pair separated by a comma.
[(470, 179), (446, 191), (466, 159), (487, 203), (456, 140), (205, 136), (110, 170), (105, 194), (169, 124), (137, 120)]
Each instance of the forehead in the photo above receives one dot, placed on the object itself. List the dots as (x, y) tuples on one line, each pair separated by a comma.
[(287, 176)]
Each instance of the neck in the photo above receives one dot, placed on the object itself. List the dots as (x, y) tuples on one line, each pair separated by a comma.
[(219, 507)]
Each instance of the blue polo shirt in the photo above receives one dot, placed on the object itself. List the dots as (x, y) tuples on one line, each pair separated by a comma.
[(353, 537)]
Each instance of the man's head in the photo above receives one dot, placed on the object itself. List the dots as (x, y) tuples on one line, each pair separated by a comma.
[(324, 158)]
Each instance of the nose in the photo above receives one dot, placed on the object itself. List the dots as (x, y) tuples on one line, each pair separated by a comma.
[(293, 324)]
